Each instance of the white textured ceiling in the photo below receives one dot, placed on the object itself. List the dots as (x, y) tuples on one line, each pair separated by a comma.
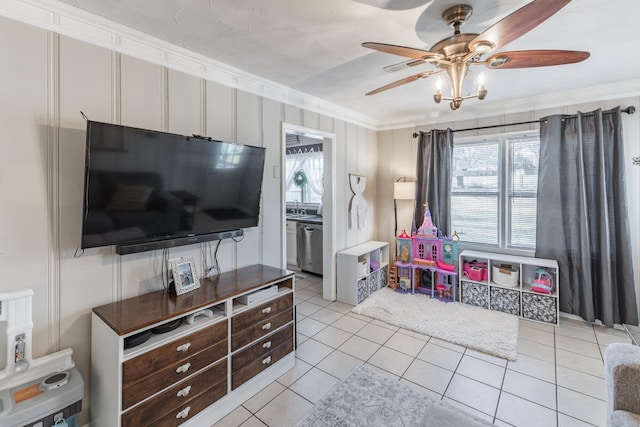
[(314, 46)]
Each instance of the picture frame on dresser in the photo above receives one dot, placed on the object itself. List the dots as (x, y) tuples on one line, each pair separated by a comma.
[(185, 278)]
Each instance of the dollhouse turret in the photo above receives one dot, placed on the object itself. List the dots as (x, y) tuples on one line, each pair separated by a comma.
[(427, 229)]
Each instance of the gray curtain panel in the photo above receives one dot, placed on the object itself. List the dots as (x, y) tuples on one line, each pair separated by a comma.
[(582, 217), (433, 184)]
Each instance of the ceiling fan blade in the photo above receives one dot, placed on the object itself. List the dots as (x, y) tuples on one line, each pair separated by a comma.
[(402, 82), (534, 58), (518, 23), (404, 65), (409, 52)]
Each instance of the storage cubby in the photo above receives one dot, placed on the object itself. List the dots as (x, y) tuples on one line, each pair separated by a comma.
[(239, 306), (362, 270), (508, 283), (185, 328)]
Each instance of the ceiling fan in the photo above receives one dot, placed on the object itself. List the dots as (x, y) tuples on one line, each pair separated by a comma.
[(457, 53)]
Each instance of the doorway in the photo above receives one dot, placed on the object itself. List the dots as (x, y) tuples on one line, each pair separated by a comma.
[(326, 204)]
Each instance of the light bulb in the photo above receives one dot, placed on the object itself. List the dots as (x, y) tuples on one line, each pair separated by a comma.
[(481, 80), (439, 84)]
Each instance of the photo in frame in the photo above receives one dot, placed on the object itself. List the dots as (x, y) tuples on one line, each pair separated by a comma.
[(185, 278)]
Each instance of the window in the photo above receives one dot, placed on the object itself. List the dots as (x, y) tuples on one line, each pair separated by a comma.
[(494, 189), (311, 163)]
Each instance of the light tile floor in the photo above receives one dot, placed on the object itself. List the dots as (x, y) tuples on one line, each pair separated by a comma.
[(556, 381)]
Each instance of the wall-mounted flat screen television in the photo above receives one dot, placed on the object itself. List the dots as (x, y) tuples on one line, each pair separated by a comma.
[(146, 190)]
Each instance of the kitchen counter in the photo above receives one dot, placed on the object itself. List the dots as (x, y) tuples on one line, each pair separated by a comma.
[(311, 219)]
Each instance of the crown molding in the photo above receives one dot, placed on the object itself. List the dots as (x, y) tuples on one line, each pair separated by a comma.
[(78, 24)]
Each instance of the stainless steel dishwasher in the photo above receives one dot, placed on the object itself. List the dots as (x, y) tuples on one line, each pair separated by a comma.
[(309, 238)]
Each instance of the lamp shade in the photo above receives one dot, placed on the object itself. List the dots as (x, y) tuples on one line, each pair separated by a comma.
[(404, 190)]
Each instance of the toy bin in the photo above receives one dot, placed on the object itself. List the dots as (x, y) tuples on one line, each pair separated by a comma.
[(505, 300), (475, 294), (541, 308), (476, 271), (362, 267), (505, 275), (363, 290)]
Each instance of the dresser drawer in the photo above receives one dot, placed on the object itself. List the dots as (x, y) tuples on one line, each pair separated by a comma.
[(261, 329), (151, 384), (254, 368), (177, 396), (261, 312), (154, 360), (187, 410), (260, 348)]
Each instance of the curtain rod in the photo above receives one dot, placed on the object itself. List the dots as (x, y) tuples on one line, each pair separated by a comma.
[(629, 110)]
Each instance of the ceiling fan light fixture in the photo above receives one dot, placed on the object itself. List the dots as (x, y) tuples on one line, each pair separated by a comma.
[(482, 46), (498, 61), (456, 54)]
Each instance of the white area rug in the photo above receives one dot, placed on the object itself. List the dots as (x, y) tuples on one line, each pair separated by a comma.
[(491, 332), (367, 398)]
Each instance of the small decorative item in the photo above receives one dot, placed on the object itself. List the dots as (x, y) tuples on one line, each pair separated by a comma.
[(300, 179), (543, 282), (405, 283), (185, 278), (444, 266), (403, 243), (450, 250), (358, 206)]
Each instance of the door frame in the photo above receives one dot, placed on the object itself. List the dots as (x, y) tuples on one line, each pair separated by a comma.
[(328, 205)]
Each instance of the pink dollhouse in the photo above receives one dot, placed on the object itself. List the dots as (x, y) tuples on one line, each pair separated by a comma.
[(427, 262)]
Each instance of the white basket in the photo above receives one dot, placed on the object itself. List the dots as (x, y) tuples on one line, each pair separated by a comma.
[(505, 275), (362, 267)]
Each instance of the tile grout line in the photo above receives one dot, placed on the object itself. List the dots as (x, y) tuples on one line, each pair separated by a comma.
[(465, 353)]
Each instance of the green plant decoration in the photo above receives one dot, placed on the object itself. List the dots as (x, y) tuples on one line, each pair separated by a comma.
[(300, 179)]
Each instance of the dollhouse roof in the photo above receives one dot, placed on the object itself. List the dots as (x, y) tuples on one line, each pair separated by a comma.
[(427, 228)]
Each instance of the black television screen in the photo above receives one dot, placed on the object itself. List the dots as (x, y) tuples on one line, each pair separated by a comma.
[(146, 186)]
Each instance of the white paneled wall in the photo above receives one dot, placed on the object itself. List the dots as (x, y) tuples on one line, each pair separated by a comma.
[(273, 246), (42, 134), (25, 232), (84, 84)]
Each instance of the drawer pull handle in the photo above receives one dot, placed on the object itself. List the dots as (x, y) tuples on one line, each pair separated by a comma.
[(266, 326), (183, 347), (184, 368), (184, 413), (266, 310), (266, 361), (267, 344), (184, 392)]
